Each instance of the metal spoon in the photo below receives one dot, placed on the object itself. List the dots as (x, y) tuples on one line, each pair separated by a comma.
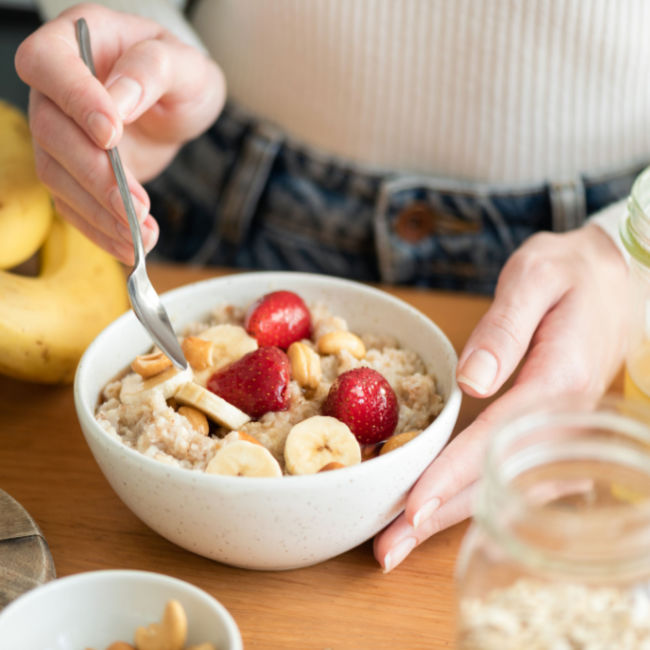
[(145, 301)]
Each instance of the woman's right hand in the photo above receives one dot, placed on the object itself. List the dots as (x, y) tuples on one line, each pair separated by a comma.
[(153, 93)]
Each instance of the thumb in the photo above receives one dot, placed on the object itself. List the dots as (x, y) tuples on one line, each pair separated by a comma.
[(503, 335)]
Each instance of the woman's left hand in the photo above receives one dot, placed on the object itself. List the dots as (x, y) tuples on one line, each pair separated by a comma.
[(561, 302)]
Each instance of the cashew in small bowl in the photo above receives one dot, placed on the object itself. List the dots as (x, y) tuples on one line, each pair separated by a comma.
[(169, 634)]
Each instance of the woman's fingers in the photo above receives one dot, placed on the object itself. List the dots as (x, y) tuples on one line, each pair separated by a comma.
[(81, 181), (397, 541), (528, 287), (187, 87), (88, 167), (459, 464), (440, 497), (169, 93), (164, 91), (49, 61), (121, 249), (571, 331), (83, 211), (69, 192), (145, 75), (561, 362)]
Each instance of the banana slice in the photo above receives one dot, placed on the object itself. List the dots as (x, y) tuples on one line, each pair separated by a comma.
[(135, 389), (212, 405), (243, 458), (230, 342), (318, 441)]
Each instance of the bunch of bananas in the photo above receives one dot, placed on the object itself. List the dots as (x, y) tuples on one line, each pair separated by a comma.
[(48, 320)]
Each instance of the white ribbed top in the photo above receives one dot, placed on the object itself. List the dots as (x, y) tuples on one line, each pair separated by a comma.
[(492, 90), (498, 90)]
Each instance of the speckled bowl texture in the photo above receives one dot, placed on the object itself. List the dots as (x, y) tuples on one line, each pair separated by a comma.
[(268, 523), (96, 608)]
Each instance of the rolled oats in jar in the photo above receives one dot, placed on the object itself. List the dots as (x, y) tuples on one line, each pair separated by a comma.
[(558, 554)]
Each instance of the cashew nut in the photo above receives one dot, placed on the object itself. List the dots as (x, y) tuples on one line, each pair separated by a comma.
[(397, 440), (330, 466), (242, 435), (369, 451), (198, 352), (148, 365), (197, 420), (169, 634), (305, 365), (335, 342)]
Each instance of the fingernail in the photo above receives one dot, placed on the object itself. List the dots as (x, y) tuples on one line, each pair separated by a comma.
[(101, 129), (426, 511), (398, 553), (479, 371), (141, 210), (149, 234), (126, 94)]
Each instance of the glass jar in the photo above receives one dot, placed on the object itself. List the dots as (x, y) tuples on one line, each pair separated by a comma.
[(558, 554), (635, 234)]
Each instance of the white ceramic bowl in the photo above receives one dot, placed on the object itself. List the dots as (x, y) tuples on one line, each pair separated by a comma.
[(268, 523), (94, 609)]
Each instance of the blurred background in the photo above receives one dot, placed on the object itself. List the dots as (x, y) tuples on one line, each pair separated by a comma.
[(18, 18)]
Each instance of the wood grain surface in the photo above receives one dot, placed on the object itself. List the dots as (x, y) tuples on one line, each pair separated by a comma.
[(345, 603)]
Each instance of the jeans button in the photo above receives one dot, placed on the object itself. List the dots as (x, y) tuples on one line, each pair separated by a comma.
[(415, 222)]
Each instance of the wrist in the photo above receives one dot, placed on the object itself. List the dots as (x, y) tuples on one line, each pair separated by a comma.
[(609, 221)]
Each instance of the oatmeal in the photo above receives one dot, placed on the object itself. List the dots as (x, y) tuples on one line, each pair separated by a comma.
[(251, 382), (555, 616)]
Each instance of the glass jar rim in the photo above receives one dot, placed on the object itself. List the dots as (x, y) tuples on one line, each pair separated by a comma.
[(496, 485)]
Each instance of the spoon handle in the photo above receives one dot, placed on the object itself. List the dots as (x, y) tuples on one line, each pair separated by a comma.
[(83, 38)]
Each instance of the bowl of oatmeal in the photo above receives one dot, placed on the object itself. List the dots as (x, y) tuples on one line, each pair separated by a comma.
[(310, 406), (108, 609)]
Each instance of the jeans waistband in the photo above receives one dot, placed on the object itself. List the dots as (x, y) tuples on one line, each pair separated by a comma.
[(265, 201)]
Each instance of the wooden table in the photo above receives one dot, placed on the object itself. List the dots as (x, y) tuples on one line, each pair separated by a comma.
[(345, 604)]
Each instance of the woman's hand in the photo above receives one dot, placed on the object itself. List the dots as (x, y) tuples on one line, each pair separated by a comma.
[(153, 93), (560, 301)]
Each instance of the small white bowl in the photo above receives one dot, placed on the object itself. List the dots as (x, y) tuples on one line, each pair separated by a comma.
[(268, 523), (94, 609)]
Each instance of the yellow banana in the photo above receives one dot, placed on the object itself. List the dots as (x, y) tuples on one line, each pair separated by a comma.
[(46, 322), (25, 205)]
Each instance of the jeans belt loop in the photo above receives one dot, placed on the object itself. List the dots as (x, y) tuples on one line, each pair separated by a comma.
[(242, 193), (247, 182), (568, 204), (384, 248)]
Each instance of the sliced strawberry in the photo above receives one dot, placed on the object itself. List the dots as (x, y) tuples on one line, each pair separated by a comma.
[(365, 401), (257, 383), (278, 318)]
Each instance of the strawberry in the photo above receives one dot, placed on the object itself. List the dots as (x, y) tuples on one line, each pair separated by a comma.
[(256, 383), (365, 401), (278, 318)]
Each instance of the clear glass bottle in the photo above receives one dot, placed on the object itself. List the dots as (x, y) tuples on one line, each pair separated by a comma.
[(558, 554), (635, 234)]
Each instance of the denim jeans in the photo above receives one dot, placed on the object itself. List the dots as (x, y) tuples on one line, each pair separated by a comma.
[(243, 195)]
